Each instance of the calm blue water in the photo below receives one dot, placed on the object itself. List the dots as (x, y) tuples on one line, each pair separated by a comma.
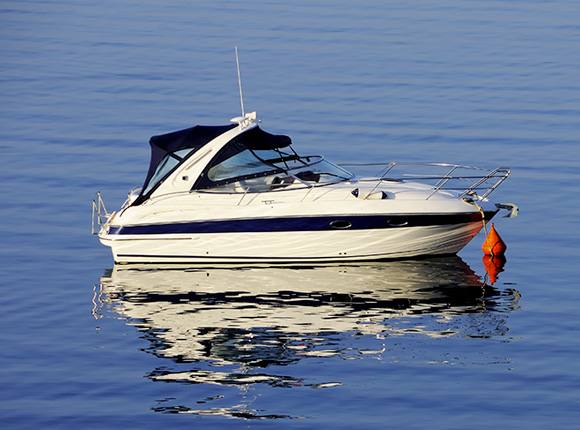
[(421, 344)]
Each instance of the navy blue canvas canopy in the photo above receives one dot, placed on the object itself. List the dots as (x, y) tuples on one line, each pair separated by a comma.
[(258, 139), (198, 136), (194, 137)]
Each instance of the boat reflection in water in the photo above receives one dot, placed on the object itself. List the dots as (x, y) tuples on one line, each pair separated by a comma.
[(234, 326)]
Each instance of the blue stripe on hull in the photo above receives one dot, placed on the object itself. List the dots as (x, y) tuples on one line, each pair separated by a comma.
[(289, 224)]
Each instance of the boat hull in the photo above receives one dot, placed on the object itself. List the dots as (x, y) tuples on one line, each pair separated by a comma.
[(292, 246)]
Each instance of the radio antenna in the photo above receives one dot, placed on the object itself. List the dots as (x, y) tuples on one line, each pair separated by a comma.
[(240, 83)]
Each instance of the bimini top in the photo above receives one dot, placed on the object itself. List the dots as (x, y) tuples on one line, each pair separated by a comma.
[(171, 149)]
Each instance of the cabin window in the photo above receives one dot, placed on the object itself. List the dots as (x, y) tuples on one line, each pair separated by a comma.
[(239, 169), (182, 153), (244, 163), (234, 165), (165, 166)]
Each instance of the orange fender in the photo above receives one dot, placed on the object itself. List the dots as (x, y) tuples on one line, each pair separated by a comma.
[(493, 244)]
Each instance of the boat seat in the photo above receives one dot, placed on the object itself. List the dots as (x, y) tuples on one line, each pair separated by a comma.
[(279, 182)]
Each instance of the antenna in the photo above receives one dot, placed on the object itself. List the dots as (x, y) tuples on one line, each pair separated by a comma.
[(240, 83)]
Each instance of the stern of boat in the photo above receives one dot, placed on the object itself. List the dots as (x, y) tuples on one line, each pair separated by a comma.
[(100, 217)]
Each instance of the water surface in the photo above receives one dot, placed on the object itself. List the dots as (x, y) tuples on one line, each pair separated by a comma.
[(401, 344)]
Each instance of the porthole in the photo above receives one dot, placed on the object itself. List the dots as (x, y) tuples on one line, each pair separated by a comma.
[(397, 222), (340, 224)]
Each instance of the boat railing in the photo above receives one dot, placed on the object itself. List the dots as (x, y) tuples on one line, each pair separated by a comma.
[(468, 181), (99, 213)]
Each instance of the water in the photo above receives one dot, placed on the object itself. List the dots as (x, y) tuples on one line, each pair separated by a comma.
[(403, 344)]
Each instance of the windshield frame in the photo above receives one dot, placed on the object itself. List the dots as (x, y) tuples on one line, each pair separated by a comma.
[(221, 187)]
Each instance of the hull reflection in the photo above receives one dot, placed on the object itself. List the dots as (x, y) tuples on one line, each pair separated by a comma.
[(234, 323)]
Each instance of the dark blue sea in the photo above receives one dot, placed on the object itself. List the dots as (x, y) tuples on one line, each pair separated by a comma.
[(406, 344)]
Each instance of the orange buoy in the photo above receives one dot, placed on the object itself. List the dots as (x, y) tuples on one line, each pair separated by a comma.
[(493, 266), (493, 245)]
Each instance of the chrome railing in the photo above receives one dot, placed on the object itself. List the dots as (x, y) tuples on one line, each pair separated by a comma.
[(453, 177), (99, 213)]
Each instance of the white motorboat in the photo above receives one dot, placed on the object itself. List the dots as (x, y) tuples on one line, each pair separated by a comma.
[(238, 194)]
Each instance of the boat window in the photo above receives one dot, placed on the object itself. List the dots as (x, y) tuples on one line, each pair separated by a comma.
[(245, 163), (163, 168), (235, 164), (183, 153), (312, 171)]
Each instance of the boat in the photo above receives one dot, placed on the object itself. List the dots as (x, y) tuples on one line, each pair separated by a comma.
[(236, 193)]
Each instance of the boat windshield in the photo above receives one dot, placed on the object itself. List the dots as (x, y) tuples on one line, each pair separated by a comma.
[(269, 170)]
